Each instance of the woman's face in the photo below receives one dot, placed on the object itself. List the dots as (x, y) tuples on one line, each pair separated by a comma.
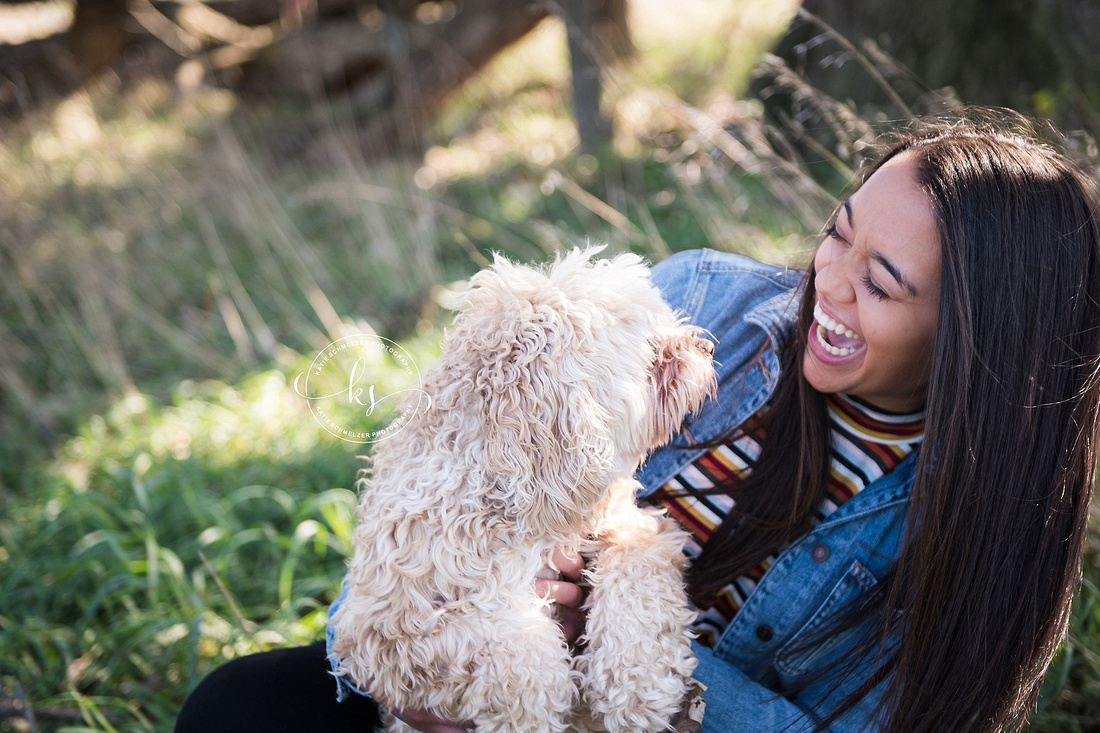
[(878, 293)]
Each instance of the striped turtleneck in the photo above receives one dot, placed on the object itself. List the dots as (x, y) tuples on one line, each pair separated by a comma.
[(867, 443)]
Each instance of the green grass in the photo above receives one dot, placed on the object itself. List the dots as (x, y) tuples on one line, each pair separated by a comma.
[(166, 501), (106, 601)]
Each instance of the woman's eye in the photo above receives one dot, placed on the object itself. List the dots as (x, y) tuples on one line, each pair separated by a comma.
[(832, 233), (873, 289)]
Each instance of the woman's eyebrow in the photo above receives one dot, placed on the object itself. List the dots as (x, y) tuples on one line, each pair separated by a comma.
[(880, 258), (894, 272)]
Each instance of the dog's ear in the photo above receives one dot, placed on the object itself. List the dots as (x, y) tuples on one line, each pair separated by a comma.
[(682, 370), (547, 446)]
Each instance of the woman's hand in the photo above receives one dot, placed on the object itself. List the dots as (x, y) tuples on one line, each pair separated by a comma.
[(566, 593), (426, 722)]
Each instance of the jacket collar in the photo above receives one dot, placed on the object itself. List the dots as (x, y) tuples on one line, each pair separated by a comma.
[(776, 313)]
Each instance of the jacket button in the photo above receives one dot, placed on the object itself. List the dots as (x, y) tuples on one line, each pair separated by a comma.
[(820, 552), (764, 633)]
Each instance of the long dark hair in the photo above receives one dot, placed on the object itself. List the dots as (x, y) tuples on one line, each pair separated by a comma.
[(981, 592)]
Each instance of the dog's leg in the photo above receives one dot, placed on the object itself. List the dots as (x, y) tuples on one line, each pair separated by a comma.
[(638, 660), (523, 681), (507, 670)]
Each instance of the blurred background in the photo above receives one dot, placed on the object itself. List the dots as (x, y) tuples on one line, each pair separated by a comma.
[(198, 195)]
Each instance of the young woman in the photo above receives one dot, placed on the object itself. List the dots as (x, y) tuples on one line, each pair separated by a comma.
[(888, 499)]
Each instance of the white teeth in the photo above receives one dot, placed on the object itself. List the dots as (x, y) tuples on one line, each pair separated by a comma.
[(834, 350), (825, 323)]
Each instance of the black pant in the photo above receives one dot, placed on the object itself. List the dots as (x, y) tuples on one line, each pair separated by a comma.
[(282, 691)]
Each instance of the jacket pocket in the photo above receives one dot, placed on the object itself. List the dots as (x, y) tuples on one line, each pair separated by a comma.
[(795, 658)]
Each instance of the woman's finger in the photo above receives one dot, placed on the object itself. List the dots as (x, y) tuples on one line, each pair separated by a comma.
[(571, 622), (570, 564), (561, 592), (426, 722)]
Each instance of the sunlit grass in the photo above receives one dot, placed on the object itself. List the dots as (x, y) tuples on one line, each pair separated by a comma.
[(106, 602), (122, 579), (28, 21), (708, 46)]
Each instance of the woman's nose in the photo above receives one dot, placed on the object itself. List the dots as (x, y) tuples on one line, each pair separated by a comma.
[(832, 279)]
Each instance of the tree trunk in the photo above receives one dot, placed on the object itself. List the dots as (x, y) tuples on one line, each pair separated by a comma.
[(593, 128), (442, 61), (98, 34), (411, 85)]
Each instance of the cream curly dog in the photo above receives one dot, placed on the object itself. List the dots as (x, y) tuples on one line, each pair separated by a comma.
[(553, 385)]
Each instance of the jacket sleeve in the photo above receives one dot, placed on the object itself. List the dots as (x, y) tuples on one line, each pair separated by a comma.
[(740, 303), (676, 276)]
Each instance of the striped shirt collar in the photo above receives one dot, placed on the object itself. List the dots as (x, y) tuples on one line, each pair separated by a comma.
[(874, 424)]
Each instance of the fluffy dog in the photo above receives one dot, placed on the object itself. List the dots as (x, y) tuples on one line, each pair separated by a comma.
[(553, 385)]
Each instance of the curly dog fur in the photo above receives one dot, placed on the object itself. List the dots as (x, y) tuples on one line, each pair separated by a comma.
[(553, 385)]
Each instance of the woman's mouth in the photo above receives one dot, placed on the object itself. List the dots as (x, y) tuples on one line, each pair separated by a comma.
[(835, 337)]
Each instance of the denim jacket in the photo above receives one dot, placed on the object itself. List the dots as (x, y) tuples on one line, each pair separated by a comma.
[(747, 307)]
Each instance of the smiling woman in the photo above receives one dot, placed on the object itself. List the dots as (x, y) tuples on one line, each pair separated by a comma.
[(958, 284), (877, 276)]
